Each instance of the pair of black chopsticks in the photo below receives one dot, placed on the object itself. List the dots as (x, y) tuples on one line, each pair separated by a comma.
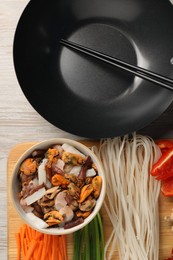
[(138, 71)]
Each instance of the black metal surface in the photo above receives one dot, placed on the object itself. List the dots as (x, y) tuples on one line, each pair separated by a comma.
[(140, 72), (162, 127), (83, 96)]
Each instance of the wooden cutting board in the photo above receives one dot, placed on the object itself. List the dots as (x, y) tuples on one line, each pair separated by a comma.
[(14, 221)]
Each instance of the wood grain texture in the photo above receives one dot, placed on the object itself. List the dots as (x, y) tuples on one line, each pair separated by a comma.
[(14, 221), (19, 122)]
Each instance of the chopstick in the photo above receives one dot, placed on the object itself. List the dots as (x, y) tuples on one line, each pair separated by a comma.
[(136, 70)]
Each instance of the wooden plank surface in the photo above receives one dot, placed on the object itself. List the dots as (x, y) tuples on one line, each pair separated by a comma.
[(14, 221)]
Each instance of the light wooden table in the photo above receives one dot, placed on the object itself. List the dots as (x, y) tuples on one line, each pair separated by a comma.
[(19, 122)]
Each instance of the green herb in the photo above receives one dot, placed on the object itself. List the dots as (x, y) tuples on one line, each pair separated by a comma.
[(89, 241), (77, 248), (102, 242), (86, 243)]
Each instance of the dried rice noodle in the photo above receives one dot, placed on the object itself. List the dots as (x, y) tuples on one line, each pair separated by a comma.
[(132, 196)]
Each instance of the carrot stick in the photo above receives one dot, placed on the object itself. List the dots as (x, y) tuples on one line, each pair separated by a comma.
[(28, 233), (59, 247), (54, 248), (32, 233), (64, 246), (46, 247), (22, 232), (62, 241), (35, 245), (25, 246), (38, 253), (38, 236), (31, 249), (59, 255), (22, 235)]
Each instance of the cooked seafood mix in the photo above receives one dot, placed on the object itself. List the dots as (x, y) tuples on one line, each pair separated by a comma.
[(59, 185)]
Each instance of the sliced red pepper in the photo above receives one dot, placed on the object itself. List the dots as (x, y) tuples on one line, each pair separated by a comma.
[(163, 169), (164, 144), (167, 187)]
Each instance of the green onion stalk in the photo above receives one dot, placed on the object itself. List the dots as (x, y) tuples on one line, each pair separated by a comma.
[(89, 241)]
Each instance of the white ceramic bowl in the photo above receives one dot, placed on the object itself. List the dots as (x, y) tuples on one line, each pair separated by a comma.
[(15, 186)]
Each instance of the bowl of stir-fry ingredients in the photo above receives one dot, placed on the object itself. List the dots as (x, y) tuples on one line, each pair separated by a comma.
[(58, 186)]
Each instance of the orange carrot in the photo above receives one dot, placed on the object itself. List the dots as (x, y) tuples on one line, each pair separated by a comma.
[(28, 233), (64, 246), (33, 245), (47, 247), (38, 252), (54, 249), (22, 236), (25, 246)]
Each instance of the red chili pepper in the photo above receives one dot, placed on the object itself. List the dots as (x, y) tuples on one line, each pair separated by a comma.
[(167, 187), (163, 169), (164, 144)]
